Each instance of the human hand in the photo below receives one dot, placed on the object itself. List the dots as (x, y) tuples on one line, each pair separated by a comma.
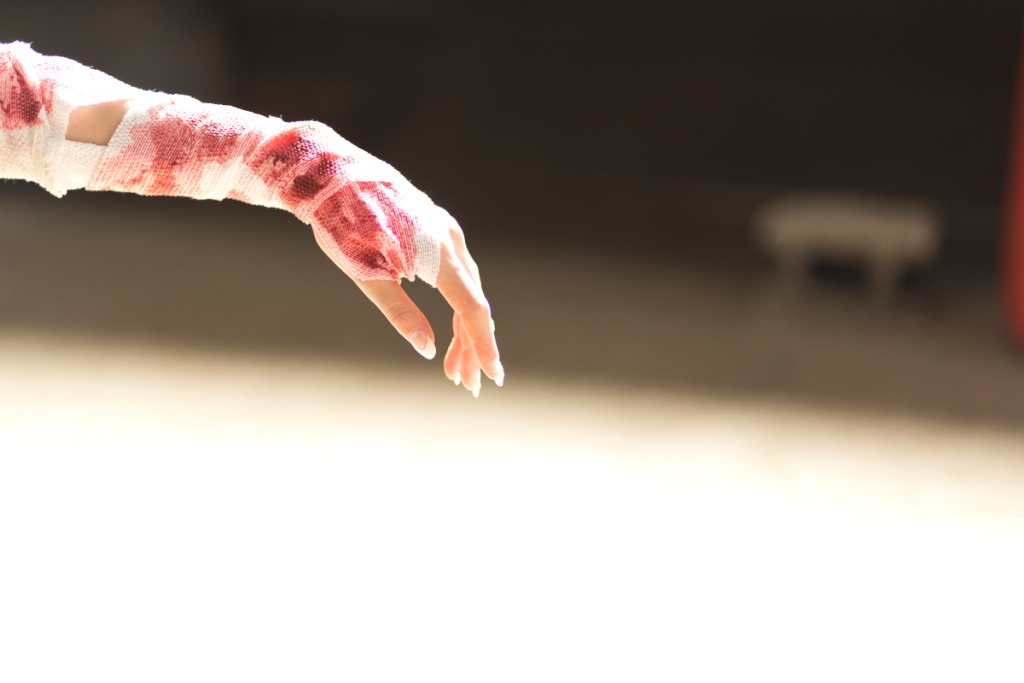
[(473, 348)]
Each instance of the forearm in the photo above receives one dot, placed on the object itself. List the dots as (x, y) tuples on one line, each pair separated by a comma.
[(364, 212), (37, 96), (95, 124)]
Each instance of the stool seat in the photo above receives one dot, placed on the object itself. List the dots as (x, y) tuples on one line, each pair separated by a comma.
[(887, 237)]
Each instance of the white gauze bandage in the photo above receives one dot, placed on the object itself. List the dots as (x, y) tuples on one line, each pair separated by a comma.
[(365, 213)]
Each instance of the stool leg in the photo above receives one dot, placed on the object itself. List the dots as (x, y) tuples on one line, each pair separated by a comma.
[(884, 276), (792, 272)]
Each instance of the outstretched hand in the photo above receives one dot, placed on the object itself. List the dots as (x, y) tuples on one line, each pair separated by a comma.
[(473, 348)]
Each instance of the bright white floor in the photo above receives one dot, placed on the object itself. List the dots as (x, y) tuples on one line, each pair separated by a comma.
[(169, 514)]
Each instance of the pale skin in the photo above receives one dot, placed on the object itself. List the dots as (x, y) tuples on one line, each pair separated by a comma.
[(473, 349)]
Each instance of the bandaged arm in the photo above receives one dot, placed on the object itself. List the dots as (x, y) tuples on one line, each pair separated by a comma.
[(365, 213)]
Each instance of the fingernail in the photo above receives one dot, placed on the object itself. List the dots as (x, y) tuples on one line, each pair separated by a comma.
[(476, 384), (476, 391), (423, 344), (492, 324), (458, 378), (499, 374)]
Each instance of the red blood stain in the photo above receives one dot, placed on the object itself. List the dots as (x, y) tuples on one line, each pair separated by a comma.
[(301, 162), (351, 224), (46, 87), (366, 220), (20, 102), (175, 144), (281, 153), (398, 220), (309, 184)]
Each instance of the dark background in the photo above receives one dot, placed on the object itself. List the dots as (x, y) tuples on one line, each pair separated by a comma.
[(648, 126), (604, 158)]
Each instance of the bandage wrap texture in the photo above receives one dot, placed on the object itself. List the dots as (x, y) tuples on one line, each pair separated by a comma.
[(365, 213)]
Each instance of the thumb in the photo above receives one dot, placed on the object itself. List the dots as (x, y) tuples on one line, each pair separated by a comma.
[(395, 304), (402, 313)]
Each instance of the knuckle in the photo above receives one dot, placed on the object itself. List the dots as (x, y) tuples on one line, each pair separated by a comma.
[(401, 316), (456, 235), (485, 345), (479, 310), (478, 303)]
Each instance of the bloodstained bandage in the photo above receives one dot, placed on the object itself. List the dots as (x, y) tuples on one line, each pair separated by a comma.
[(365, 213), (21, 102)]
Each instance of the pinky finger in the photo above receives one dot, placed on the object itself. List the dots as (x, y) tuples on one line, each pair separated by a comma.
[(470, 365)]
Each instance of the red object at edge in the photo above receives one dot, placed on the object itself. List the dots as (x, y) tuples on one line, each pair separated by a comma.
[(1013, 241)]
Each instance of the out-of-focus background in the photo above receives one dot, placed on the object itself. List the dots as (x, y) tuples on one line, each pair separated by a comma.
[(730, 447)]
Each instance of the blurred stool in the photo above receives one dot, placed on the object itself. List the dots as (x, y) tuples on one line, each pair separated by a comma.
[(886, 237)]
